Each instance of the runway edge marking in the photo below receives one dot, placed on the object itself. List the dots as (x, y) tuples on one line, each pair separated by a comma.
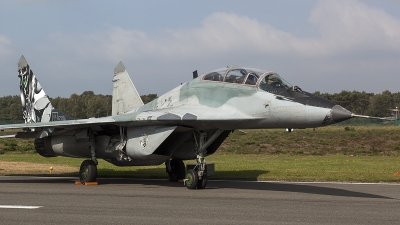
[(19, 207)]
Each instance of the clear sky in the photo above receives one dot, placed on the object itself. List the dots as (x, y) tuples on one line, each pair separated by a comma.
[(73, 46)]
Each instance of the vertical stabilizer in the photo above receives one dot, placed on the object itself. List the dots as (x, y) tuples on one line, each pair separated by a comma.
[(36, 106), (125, 96)]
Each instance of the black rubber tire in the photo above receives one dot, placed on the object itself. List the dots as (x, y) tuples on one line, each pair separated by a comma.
[(88, 171), (178, 170), (192, 179), (202, 183)]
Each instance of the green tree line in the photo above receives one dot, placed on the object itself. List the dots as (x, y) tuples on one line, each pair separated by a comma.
[(364, 103), (89, 104), (82, 106)]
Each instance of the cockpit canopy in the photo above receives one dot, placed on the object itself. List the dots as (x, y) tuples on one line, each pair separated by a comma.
[(266, 80)]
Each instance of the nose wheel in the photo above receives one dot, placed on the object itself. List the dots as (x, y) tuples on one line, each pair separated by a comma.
[(202, 183), (193, 180)]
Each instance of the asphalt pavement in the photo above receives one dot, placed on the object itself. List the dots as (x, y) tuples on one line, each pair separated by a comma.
[(53, 200)]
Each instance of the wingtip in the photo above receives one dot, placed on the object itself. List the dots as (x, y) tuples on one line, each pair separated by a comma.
[(22, 62), (119, 68)]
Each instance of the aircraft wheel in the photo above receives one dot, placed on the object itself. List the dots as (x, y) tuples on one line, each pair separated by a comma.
[(202, 183), (88, 171), (177, 170), (192, 179)]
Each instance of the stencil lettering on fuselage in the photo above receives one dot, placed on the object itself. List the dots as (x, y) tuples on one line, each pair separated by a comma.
[(56, 117)]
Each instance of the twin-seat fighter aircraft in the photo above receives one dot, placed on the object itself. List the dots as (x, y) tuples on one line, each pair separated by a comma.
[(188, 122)]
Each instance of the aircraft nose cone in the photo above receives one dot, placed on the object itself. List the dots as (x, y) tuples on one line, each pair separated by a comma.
[(340, 114)]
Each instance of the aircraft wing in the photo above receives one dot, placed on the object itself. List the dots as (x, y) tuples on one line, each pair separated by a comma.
[(59, 124), (131, 119)]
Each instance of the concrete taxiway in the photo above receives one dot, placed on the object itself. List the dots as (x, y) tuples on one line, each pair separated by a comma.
[(45, 200)]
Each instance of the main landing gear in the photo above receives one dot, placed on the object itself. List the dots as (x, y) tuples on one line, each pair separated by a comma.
[(88, 171), (175, 169)]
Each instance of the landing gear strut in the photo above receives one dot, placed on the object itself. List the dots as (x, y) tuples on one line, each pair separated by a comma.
[(175, 169), (197, 177), (88, 170)]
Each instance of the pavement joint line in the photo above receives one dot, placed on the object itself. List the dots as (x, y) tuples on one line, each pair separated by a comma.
[(243, 181), (19, 207), (305, 182)]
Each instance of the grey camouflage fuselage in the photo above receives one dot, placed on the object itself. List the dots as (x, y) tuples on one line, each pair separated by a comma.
[(188, 122)]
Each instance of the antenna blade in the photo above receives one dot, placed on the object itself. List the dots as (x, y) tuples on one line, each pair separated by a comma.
[(195, 75)]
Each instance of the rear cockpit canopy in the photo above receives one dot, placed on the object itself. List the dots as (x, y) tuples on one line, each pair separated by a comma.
[(266, 80)]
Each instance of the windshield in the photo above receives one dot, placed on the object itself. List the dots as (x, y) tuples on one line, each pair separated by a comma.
[(216, 75)]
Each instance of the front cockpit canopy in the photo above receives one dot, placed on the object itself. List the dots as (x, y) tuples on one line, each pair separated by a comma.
[(266, 80)]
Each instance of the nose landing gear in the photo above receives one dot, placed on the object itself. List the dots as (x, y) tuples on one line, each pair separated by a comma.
[(197, 177)]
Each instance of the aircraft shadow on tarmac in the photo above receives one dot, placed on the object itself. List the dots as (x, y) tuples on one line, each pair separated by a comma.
[(213, 184), (294, 187), (158, 173)]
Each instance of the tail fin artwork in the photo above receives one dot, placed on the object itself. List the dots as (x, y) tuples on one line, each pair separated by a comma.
[(125, 96), (36, 106)]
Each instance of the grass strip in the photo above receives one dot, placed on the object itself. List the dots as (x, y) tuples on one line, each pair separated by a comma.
[(248, 167)]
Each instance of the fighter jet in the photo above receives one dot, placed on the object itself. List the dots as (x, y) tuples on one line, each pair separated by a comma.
[(189, 122)]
